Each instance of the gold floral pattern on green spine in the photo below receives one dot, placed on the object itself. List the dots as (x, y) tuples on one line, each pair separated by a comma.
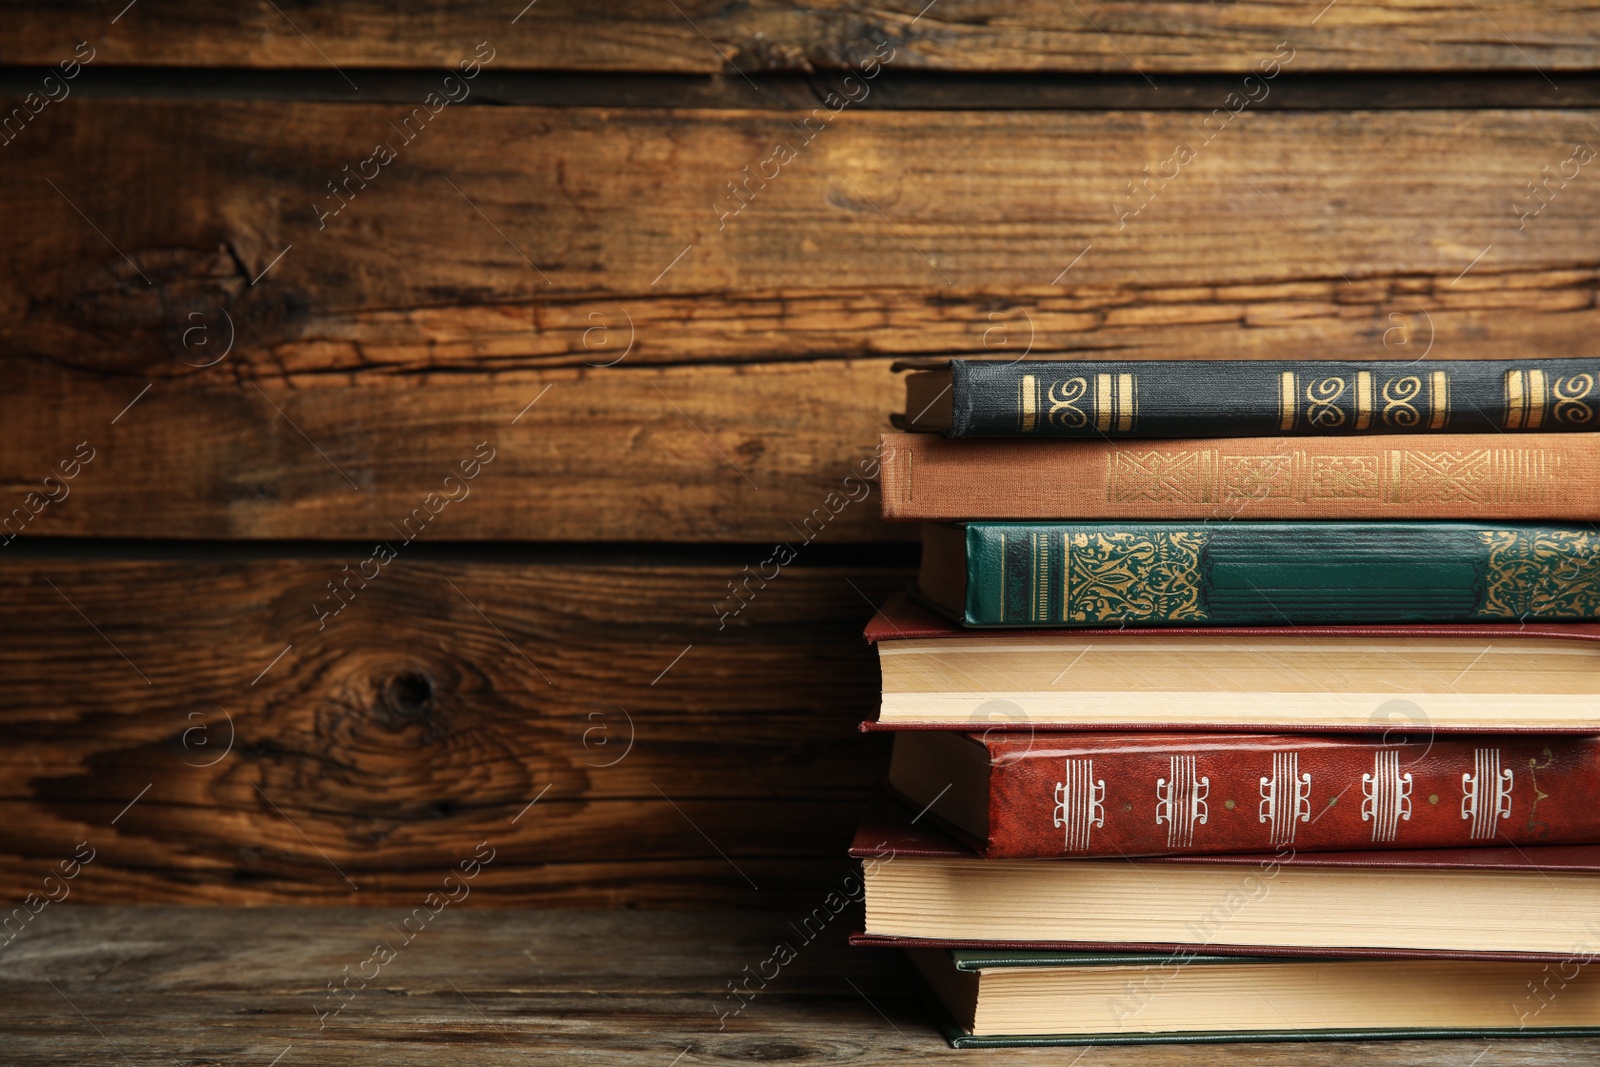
[(1554, 574), (1133, 577)]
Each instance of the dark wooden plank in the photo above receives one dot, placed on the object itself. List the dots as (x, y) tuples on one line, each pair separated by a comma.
[(1151, 36), (192, 724), (891, 231), (763, 453), (409, 330), (221, 985)]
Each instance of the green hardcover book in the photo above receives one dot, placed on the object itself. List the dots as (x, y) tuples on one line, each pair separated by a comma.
[(1000, 999), (1259, 573)]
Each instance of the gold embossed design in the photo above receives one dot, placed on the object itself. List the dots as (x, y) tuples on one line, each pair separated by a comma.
[(1536, 398), (1343, 478), (1322, 398), (1551, 574), (1063, 398), (1441, 400), (1399, 396), (1102, 402), (1028, 402), (1363, 399), (1571, 395), (1516, 403), (1127, 402), (1525, 398), (1184, 477), (1039, 604), (1257, 477), (1475, 476), (1133, 577), (1288, 404)]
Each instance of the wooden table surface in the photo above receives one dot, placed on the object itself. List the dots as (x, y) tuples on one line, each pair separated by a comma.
[(127, 985)]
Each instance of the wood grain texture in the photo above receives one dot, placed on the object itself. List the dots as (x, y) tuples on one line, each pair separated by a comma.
[(509, 237), (372, 355), (226, 985), (771, 452), (1149, 36), (673, 760)]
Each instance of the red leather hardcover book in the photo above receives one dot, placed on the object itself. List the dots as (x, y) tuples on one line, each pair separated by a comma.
[(1096, 794)]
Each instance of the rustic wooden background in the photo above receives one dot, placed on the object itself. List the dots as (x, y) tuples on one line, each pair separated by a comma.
[(666, 393)]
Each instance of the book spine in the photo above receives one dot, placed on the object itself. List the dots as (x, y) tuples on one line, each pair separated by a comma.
[(1110, 796), (1278, 574), (1230, 398), (1453, 476)]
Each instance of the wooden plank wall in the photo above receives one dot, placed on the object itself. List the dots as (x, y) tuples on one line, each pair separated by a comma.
[(264, 301)]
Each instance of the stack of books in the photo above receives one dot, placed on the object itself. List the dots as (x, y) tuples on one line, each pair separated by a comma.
[(1244, 700)]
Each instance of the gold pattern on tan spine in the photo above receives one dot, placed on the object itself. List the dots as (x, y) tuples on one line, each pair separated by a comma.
[(1188, 476), (1399, 410), (1480, 476), (1134, 576), (1322, 402), (1288, 401), (1516, 401), (1441, 400), (1244, 479), (1102, 402), (1125, 402), (1552, 574), (1489, 476), (1027, 402), (1570, 396), (1343, 478), (1363, 399)]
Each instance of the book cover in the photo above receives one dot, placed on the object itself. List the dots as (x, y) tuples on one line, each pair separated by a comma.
[(1521, 477), (1092, 794), (1376, 999), (1233, 398), (893, 840), (1442, 678), (1266, 574)]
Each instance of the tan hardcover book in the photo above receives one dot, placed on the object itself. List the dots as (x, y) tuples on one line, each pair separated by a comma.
[(927, 478)]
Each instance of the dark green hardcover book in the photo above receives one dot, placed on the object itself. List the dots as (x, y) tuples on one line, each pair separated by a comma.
[(1259, 573), (1112, 998), (1235, 398)]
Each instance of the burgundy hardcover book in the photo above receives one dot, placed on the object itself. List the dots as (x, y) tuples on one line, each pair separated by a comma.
[(925, 889), (1422, 678), (1096, 794)]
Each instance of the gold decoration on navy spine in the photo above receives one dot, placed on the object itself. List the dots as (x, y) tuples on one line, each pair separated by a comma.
[(1064, 398), (1554, 573), (1322, 400), (1526, 393), (1573, 406), (1028, 402), (1129, 576), (1441, 400), (1399, 407)]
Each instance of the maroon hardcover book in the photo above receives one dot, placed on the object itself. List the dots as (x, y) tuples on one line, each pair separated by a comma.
[(890, 832), (1096, 794)]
